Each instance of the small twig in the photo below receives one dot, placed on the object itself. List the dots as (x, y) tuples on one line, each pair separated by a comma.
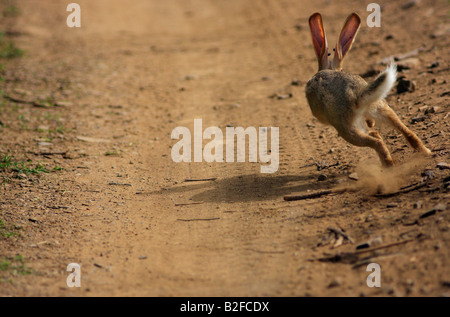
[(384, 246), (440, 149), (193, 203), (403, 190), (200, 179), (322, 166), (29, 102), (431, 212), (341, 233), (352, 257), (121, 184), (17, 100), (51, 153), (265, 252), (198, 219), (316, 194), (308, 165)]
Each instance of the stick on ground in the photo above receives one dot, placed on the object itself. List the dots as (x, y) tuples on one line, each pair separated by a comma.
[(315, 194)]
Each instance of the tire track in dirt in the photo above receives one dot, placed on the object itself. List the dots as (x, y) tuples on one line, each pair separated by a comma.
[(238, 237)]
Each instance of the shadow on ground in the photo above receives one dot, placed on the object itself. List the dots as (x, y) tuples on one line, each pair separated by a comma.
[(246, 188)]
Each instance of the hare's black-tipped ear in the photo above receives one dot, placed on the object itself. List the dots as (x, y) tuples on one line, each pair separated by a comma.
[(346, 38), (319, 40)]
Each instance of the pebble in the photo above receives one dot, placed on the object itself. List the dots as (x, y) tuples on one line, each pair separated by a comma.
[(410, 4), (322, 177), (408, 63), (433, 65), (428, 174), (405, 85), (335, 282), (418, 119), (418, 204), (63, 104), (370, 243), (353, 176), (45, 144), (443, 166), (432, 109)]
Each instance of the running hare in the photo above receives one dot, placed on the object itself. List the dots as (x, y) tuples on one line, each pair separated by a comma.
[(348, 102)]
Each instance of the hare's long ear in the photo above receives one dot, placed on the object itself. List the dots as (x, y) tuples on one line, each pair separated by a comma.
[(319, 40), (346, 38)]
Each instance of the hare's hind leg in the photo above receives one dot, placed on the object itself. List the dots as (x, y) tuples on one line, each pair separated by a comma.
[(410, 136), (373, 140)]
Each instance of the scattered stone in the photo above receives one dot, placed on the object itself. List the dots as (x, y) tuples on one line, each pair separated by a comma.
[(45, 144), (410, 4), (391, 205), (446, 182), (322, 177), (432, 109), (418, 119), (299, 26), (428, 174), (21, 92), (43, 128), (335, 282), (142, 257), (369, 73), (286, 96), (353, 176), (377, 240), (443, 166), (433, 65), (405, 85), (418, 204), (190, 77), (92, 140), (441, 30), (438, 208), (408, 63), (63, 104)]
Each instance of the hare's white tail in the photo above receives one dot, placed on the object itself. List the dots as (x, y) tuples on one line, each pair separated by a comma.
[(380, 87)]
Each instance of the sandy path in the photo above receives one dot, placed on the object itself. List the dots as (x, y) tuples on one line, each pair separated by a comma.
[(139, 69)]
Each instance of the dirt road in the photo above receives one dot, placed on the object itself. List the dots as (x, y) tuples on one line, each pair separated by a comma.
[(115, 88)]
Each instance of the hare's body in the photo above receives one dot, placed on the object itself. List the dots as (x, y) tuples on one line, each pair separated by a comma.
[(346, 101), (345, 96)]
